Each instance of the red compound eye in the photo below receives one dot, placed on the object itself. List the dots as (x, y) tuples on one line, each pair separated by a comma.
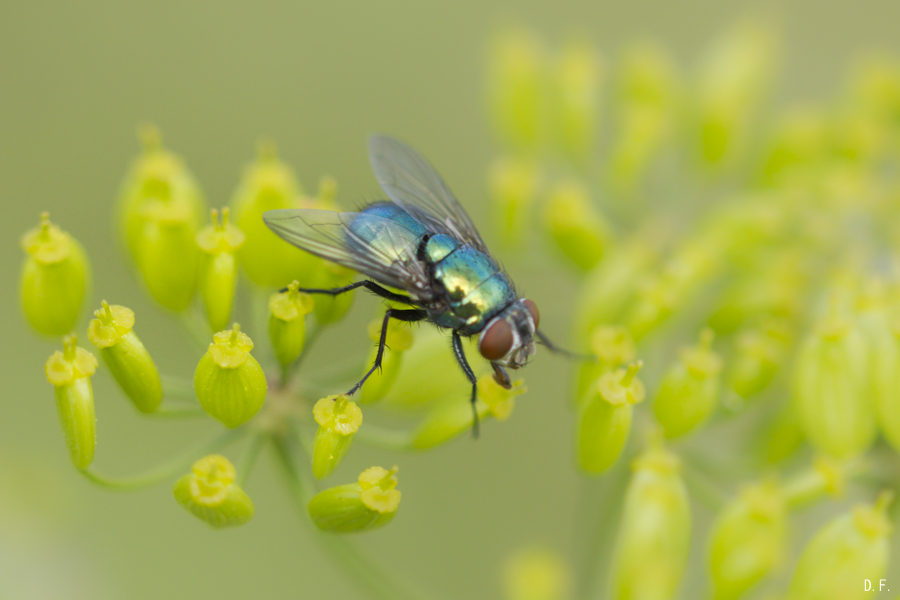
[(533, 309), (496, 341)]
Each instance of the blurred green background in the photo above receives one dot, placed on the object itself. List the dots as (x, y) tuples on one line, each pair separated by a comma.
[(76, 78)]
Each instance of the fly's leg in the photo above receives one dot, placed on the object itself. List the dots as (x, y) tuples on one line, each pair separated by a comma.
[(501, 376), (545, 341), (369, 285), (410, 315), (464, 365)]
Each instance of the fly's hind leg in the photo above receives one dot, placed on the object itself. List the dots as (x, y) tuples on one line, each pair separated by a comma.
[(464, 365), (408, 315), (369, 285)]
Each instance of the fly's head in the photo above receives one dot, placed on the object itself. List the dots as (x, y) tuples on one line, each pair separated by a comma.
[(508, 338)]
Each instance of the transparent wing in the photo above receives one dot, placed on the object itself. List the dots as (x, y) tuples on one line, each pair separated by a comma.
[(328, 234), (411, 182)]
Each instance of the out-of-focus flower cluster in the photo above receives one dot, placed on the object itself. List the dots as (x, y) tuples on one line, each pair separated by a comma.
[(739, 292)]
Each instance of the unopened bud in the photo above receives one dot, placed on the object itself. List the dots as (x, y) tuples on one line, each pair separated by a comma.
[(125, 356), (229, 383), (369, 503), (209, 492), (54, 278), (70, 373)]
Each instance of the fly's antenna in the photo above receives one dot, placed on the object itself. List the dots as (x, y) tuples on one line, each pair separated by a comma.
[(543, 340)]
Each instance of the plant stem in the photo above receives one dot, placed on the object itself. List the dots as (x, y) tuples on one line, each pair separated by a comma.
[(181, 412), (197, 329), (248, 457), (177, 388), (166, 470), (380, 437), (368, 576), (598, 512)]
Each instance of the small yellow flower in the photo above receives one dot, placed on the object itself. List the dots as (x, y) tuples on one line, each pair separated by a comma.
[(209, 492), (54, 278), (287, 322), (229, 383), (70, 373), (218, 270), (338, 419), (125, 355), (369, 503)]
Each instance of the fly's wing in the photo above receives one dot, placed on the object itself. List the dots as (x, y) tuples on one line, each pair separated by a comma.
[(411, 182), (329, 235)]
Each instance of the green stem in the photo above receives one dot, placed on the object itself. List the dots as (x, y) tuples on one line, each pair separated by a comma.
[(380, 437), (177, 388), (248, 457), (197, 329), (367, 576), (703, 488), (181, 412), (166, 470), (598, 512)]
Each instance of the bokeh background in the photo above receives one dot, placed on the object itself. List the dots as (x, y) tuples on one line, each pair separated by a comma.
[(76, 78)]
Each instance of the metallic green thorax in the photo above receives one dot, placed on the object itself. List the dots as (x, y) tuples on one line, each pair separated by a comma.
[(469, 288)]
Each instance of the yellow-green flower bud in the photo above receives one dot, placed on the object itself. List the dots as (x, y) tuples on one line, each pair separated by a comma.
[(577, 227), (831, 394), (269, 184), (883, 351), (329, 275), (844, 554), (287, 322), (156, 176), (125, 356), (609, 289), (604, 420), (453, 417), (781, 436), (430, 375), (399, 340), (54, 278), (338, 420), (209, 491), (536, 574), (70, 373), (167, 253), (513, 185), (516, 88), (760, 352), (733, 78), (218, 270), (369, 503), (613, 347), (801, 138), (654, 536), (689, 391), (748, 540), (579, 75), (229, 383), (646, 102)]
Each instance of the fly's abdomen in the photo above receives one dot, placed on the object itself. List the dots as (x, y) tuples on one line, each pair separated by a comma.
[(387, 229), (475, 286)]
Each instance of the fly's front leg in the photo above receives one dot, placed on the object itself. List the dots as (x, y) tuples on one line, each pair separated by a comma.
[(464, 365), (410, 316), (369, 285), (501, 376)]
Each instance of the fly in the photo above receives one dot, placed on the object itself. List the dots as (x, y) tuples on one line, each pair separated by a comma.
[(422, 242)]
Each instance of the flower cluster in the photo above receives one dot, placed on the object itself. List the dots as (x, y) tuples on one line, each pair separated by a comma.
[(259, 396), (689, 213), (737, 299)]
